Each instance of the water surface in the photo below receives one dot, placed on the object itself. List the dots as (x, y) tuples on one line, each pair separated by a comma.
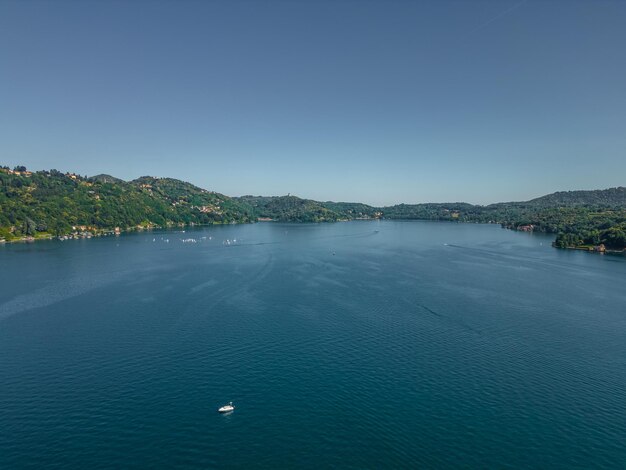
[(354, 345)]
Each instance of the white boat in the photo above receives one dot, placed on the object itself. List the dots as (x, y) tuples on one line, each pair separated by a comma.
[(226, 408)]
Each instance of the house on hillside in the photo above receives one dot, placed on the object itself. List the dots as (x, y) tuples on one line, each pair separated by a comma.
[(19, 172)]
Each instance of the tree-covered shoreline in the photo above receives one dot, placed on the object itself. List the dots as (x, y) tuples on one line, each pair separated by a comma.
[(47, 204)]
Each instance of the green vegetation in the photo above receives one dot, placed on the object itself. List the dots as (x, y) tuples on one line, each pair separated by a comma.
[(292, 209), (50, 203), (613, 197), (578, 218)]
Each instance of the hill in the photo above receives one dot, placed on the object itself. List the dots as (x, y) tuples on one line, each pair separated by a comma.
[(609, 198), (51, 203), (291, 209), (104, 179)]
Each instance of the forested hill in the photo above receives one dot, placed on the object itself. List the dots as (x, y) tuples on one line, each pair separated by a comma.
[(51, 203), (105, 179), (291, 209), (580, 219), (294, 209), (46, 203), (613, 197)]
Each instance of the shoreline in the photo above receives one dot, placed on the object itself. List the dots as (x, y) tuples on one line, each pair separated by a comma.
[(87, 234), (591, 249)]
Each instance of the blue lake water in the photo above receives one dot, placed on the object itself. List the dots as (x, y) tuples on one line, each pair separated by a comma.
[(351, 345)]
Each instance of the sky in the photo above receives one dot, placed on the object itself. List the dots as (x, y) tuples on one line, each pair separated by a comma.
[(379, 102)]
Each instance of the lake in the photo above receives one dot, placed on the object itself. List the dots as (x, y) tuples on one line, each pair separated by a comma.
[(364, 344)]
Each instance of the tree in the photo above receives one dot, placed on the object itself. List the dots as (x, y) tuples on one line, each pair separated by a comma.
[(29, 226)]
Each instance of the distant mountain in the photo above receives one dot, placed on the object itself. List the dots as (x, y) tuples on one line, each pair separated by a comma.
[(613, 197), (457, 211), (353, 210), (291, 209)]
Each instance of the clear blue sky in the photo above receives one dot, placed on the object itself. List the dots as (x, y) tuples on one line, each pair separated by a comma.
[(378, 102)]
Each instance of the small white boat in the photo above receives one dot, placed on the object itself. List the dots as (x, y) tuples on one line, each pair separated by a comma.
[(226, 408)]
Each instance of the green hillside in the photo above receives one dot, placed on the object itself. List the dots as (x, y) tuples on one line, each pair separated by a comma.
[(51, 203), (46, 203), (578, 218), (607, 198), (292, 209)]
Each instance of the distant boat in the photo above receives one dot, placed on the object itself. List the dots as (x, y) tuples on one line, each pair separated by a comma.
[(226, 408)]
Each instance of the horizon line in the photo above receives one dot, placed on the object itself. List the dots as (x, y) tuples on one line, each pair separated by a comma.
[(310, 199)]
